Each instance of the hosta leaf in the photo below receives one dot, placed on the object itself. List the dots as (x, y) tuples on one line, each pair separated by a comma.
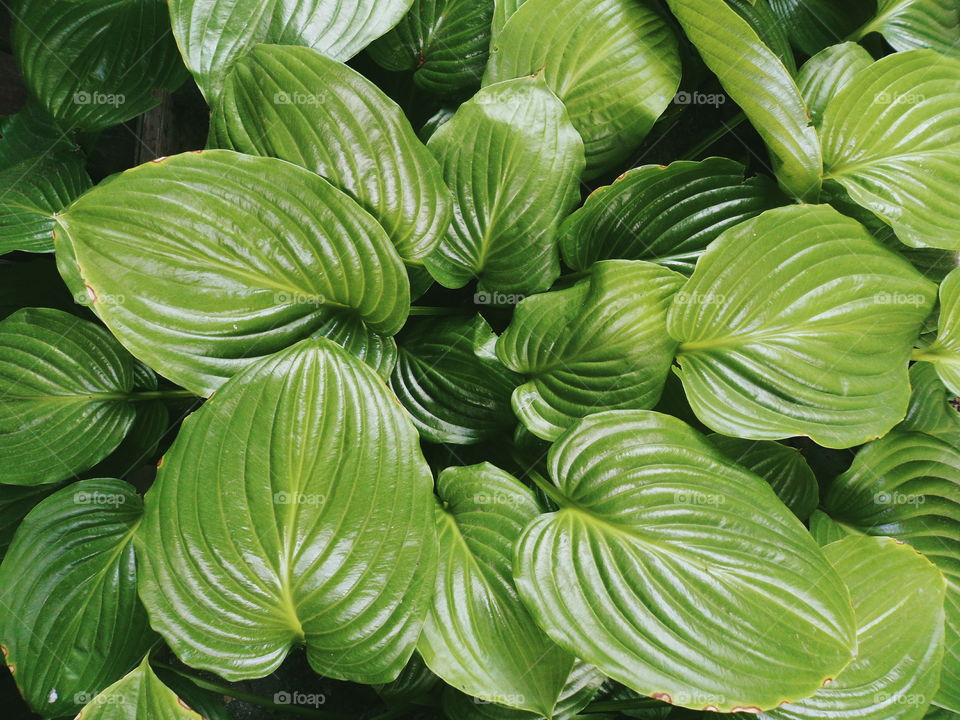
[(447, 380), (322, 532), (945, 352), (72, 623), (513, 161), (797, 322), (824, 529), (891, 137), (478, 636), (915, 24), (212, 34), (503, 10), (446, 43), (414, 681), (614, 63), (907, 486), (96, 63), (759, 83), (898, 602), (666, 215), (933, 409), (769, 27), (599, 345), (679, 574), (814, 24), (15, 502), (297, 105), (65, 387), (780, 465), (201, 263), (137, 696), (827, 73), (31, 132)]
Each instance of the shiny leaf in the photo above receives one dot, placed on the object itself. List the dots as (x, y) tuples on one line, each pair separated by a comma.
[(827, 73), (140, 695), (915, 24), (933, 409), (945, 352), (814, 24)]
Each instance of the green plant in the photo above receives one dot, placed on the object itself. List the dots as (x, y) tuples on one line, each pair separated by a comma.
[(462, 404)]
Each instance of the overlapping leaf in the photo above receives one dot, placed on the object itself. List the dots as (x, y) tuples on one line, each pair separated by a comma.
[(140, 694), (599, 345), (614, 63), (915, 24), (945, 352), (666, 215), (71, 622), (827, 73), (814, 24), (202, 263), (797, 322), (321, 533), (769, 27), (297, 105), (15, 502), (513, 161), (933, 409), (503, 10)]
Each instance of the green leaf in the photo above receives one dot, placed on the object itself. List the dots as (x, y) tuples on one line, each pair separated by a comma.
[(933, 409), (679, 574), (824, 529), (503, 10), (769, 27), (65, 388), (827, 73), (898, 602), (445, 43), (138, 695), (213, 34), (614, 63), (96, 63), (761, 85), (15, 502), (814, 24), (31, 132), (478, 636), (666, 215), (780, 465), (323, 528), (891, 137), (72, 623), (797, 322), (599, 345), (513, 161), (414, 682), (907, 486), (944, 353), (447, 380), (295, 104), (202, 263), (916, 24)]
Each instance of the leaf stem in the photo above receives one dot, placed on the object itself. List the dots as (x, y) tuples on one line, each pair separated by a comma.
[(935, 356), (708, 142), (548, 488)]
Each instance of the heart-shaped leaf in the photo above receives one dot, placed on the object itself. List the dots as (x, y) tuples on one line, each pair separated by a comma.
[(65, 401), (323, 527), (599, 345), (614, 63), (666, 215), (513, 161), (213, 34), (898, 602), (916, 24), (797, 322), (907, 486), (814, 24), (933, 409), (72, 623), (295, 104), (202, 263), (891, 137), (945, 352), (138, 695), (827, 73), (679, 574), (478, 636)]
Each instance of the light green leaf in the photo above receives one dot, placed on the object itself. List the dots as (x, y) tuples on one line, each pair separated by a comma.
[(797, 322), (907, 486), (666, 215), (445, 43), (503, 10), (71, 622), (213, 34), (202, 263), (65, 396), (478, 636), (761, 85), (614, 63), (445, 378), (824, 529), (944, 353), (891, 137), (827, 73), (898, 602), (295, 104), (140, 695), (814, 24), (599, 345), (679, 574), (933, 409), (96, 63), (513, 161), (323, 524), (916, 24), (780, 465)]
